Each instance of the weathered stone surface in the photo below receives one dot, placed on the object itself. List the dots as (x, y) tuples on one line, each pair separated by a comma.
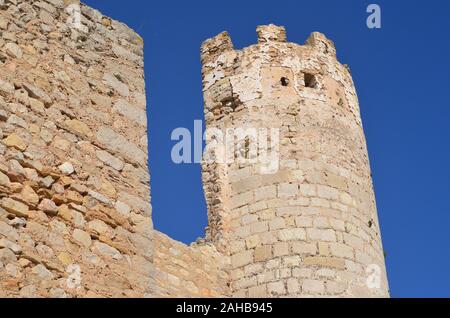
[(42, 272), (16, 120), (8, 231), (106, 250), (48, 206), (65, 213), (15, 207), (117, 142), (110, 160), (7, 256), (57, 90), (4, 243), (135, 202), (29, 196), (6, 88), (82, 237), (3, 114), (15, 141), (117, 85), (99, 197), (4, 180), (47, 181), (126, 54), (79, 127), (123, 208), (29, 291), (66, 168), (313, 286), (74, 197), (98, 227), (3, 22), (13, 50), (65, 258), (131, 112), (37, 93)]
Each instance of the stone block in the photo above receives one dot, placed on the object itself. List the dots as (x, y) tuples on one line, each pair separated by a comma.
[(240, 200), (341, 250), (82, 237), (117, 142), (15, 207), (265, 193), (308, 190), (281, 249), (241, 259), (293, 286), (329, 262), (294, 234), (303, 248), (287, 190), (276, 288), (321, 235), (313, 286), (263, 253), (15, 141), (110, 160)]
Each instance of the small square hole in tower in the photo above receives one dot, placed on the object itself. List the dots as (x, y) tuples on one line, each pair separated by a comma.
[(310, 81)]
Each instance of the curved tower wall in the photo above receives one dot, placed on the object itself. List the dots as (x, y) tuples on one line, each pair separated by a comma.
[(309, 227)]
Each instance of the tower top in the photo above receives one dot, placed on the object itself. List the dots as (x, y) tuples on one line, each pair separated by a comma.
[(214, 47)]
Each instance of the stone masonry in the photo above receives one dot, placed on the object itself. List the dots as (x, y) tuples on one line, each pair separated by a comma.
[(74, 185), (75, 213)]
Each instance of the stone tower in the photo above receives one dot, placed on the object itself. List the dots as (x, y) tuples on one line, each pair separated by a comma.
[(310, 227)]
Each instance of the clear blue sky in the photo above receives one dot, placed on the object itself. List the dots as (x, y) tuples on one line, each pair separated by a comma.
[(402, 76)]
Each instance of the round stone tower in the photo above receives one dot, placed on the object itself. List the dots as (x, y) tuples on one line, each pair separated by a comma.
[(293, 204)]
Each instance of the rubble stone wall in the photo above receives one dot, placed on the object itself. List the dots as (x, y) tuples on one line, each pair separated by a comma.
[(75, 218)]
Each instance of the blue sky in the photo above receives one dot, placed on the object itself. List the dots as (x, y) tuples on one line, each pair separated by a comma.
[(402, 76)]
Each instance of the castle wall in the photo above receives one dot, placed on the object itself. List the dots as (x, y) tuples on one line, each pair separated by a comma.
[(75, 217), (309, 228), (188, 271)]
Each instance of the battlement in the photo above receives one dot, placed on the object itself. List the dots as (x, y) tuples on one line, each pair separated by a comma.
[(271, 33), (322, 43), (214, 47)]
